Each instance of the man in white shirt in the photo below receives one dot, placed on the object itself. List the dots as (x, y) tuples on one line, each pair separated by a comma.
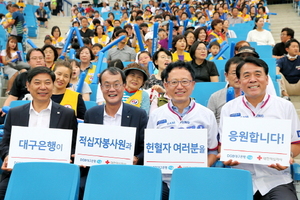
[(41, 112), (272, 181), (115, 112), (182, 112), (105, 8)]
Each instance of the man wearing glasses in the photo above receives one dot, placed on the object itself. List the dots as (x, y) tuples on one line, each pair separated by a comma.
[(182, 112), (115, 112), (35, 58)]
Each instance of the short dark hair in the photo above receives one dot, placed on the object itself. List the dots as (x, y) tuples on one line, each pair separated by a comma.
[(146, 52), (82, 48), (215, 22), (138, 18), (179, 64), (95, 31), (120, 31), (198, 30), (15, 6), (155, 55), (53, 29), (113, 71), (128, 26), (256, 61), (96, 21), (40, 70), (116, 63), (32, 50), (290, 32), (288, 43), (193, 48), (215, 43), (53, 49), (97, 45), (175, 40), (233, 60)]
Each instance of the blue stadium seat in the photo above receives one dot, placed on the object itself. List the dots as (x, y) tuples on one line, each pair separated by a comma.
[(221, 69), (93, 96), (90, 104), (211, 183), (264, 51), (126, 182), (203, 90), (43, 180)]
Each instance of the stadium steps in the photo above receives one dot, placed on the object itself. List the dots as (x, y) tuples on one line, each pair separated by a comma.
[(62, 22)]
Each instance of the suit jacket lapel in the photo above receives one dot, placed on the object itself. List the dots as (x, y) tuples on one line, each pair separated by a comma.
[(55, 115), (24, 115), (126, 115)]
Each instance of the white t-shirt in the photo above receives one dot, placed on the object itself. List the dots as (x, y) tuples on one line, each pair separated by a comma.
[(264, 178), (261, 37)]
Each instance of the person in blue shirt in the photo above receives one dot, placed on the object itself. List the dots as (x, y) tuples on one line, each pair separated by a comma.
[(17, 23)]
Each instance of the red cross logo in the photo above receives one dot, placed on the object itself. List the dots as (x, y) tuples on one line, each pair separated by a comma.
[(259, 157), (107, 162)]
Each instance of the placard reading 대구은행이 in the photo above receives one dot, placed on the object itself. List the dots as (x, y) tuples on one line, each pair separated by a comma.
[(256, 140), (103, 144), (168, 149), (32, 144)]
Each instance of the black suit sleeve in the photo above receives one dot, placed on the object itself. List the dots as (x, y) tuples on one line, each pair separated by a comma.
[(140, 137), (81, 109), (4, 145), (73, 126)]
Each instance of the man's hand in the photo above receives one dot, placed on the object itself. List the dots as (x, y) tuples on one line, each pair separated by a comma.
[(135, 160), (280, 167), (4, 165), (228, 162)]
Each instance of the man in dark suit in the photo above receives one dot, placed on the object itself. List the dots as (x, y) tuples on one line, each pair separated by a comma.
[(115, 112), (41, 112)]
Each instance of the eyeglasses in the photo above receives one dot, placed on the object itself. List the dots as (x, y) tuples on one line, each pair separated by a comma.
[(184, 82), (37, 58), (116, 86)]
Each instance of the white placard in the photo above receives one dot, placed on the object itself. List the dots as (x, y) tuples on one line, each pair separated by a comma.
[(168, 149), (32, 144), (256, 140), (103, 144)]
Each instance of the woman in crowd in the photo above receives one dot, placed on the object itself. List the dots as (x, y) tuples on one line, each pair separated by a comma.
[(161, 59), (56, 35), (109, 26), (100, 37), (85, 55), (179, 44), (10, 55), (200, 34), (190, 38), (252, 12), (261, 12), (260, 35), (51, 55), (244, 14), (64, 96), (144, 58), (116, 6), (136, 76), (86, 90), (217, 26), (124, 17), (226, 31), (205, 71)]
